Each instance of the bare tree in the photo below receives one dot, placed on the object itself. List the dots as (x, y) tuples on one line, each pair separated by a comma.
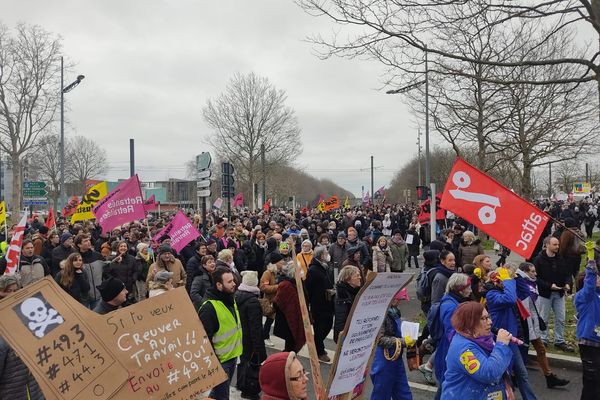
[(29, 91), (47, 157), (85, 160), (249, 114)]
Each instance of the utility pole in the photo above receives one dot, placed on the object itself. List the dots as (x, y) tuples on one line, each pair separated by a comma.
[(372, 184), (419, 149), (264, 174), (587, 176), (131, 157), (549, 180)]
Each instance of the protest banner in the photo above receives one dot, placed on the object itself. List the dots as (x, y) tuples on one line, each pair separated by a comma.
[(124, 204), (150, 204), (13, 252), (329, 204), (425, 210), (155, 349), (362, 327), (89, 200), (238, 201), (2, 212), (70, 207), (308, 331), (493, 208), (56, 338), (218, 203), (50, 219), (180, 230)]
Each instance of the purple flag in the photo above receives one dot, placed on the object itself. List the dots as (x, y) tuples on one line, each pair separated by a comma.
[(124, 204)]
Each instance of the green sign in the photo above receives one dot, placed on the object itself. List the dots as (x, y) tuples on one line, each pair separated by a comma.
[(203, 161), (34, 192), (34, 185)]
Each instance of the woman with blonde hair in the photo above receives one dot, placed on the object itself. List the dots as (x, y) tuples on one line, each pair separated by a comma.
[(72, 279), (347, 287), (382, 256)]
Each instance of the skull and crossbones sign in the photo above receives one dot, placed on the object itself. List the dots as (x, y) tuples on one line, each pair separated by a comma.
[(40, 316)]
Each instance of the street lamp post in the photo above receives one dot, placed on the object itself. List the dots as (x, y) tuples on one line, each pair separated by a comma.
[(62, 200), (428, 183)]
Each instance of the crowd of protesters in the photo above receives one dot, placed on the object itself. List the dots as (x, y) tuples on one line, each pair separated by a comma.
[(242, 280)]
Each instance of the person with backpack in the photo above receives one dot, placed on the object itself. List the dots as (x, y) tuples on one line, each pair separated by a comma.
[(458, 290)]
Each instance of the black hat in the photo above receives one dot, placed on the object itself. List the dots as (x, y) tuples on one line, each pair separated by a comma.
[(110, 288), (165, 249), (276, 257), (436, 245), (431, 257)]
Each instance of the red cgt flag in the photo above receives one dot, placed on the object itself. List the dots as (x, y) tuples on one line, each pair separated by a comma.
[(51, 219), (478, 198)]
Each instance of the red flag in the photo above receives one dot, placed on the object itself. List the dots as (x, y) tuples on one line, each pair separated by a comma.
[(71, 207), (13, 252), (150, 204), (501, 213), (267, 206), (50, 220), (425, 210)]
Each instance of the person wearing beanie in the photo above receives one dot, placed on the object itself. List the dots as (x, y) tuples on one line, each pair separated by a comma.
[(61, 252), (254, 352), (282, 377), (166, 261), (399, 250), (163, 281), (8, 285), (113, 294), (339, 251), (288, 319), (38, 239), (268, 285), (220, 317)]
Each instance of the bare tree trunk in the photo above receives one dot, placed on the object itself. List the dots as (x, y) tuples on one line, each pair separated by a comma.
[(17, 185), (527, 188)]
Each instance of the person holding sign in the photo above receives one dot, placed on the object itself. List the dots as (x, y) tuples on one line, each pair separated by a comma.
[(221, 319), (476, 365), (387, 372)]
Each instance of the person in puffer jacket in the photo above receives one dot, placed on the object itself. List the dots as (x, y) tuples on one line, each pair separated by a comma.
[(93, 267), (587, 305)]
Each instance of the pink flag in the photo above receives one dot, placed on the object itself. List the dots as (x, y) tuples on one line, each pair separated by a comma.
[(218, 203), (150, 204), (124, 204), (14, 249), (366, 199), (180, 230), (238, 201)]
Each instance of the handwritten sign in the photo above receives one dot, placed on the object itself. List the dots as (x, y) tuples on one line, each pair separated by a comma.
[(156, 349), (362, 326), (164, 347), (53, 334)]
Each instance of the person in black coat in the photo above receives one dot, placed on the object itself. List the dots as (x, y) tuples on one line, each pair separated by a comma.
[(319, 288), (250, 311), (202, 281), (256, 258), (48, 246), (192, 267), (346, 289), (61, 252), (72, 279), (123, 267)]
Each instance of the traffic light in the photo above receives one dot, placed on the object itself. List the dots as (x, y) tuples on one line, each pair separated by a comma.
[(227, 180), (422, 192)]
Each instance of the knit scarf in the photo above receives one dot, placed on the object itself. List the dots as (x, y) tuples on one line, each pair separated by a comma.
[(531, 285), (485, 342)]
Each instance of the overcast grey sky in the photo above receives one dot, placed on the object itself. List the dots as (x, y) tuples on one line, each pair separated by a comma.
[(151, 65)]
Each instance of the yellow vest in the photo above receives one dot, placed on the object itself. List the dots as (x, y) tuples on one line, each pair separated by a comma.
[(227, 341)]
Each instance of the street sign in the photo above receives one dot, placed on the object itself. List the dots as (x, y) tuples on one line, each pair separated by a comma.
[(228, 194), (41, 198), (227, 168), (203, 174), (204, 193), (203, 161), (34, 192), (34, 185), (227, 180), (203, 184), (35, 202)]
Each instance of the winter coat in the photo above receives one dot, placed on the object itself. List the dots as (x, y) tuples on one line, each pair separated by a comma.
[(448, 305), (16, 381), (501, 304), (208, 314), (344, 298), (256, 258), (251, 317), (304, 260), (399, 255), (382, 259), (58, 254), (93, 268), (364, 251), (468, 252), (439, 282), (318, 281), (32, 269), (524, 294), (124, 271), (200, 285), (268, 283), (551, 270), (46, 253), (175, 266), (414, 248), (587, 305), (80, 287), (338, 254), (141, 268), (472, 373), (288, 317), (192, 269)]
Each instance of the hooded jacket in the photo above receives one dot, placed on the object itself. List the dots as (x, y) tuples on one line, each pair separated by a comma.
[(251, 317), (93, 268)]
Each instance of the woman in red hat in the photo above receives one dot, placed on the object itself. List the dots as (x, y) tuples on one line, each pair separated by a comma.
[(282, 377)]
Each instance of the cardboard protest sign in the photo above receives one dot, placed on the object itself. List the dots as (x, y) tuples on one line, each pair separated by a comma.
[(362, 327), (493, 208), (54, 335), (155, 349), (164, 347)]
